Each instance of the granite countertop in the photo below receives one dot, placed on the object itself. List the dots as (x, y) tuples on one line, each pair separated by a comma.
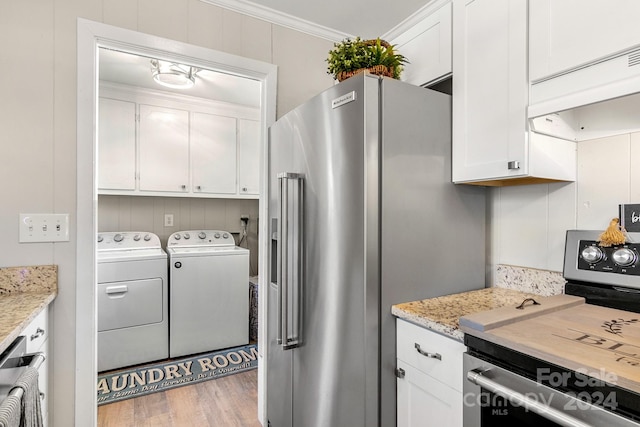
[(24, 293), (441, 314)]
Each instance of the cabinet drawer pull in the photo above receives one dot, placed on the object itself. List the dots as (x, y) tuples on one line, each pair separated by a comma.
[(38, 334), (513, 165), (427, 354)]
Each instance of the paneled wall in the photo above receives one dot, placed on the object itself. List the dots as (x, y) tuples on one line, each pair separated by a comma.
[(130, 213), (528, 223)]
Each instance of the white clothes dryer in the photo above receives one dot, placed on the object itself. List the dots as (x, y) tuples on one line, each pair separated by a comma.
[(209, 292), (133, 288)]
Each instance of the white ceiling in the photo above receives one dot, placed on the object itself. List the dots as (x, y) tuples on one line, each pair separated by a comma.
[(133, 70), (365, 18)]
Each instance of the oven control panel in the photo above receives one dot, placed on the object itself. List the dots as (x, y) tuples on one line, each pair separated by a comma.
[(621, 259)]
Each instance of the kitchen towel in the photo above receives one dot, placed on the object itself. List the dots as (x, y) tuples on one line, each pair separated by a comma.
[(23, 411), (10, 412), (31, 408)]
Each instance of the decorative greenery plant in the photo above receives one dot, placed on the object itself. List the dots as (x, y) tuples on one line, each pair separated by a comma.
[(352, 56)]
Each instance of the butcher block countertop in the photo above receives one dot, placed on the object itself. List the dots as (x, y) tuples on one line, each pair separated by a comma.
[(441, 314), (566, 331), (24, 293)]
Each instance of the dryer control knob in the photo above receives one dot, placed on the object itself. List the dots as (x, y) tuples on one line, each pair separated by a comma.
[(202, 235), (176, 236), (147, 237), (118, 238), (178, 264), (217, 235), (136, 237), (187, 236), (100, 238), (225, 236), (592, 254), (624, 257)]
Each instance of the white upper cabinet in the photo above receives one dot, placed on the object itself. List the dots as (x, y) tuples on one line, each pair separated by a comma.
[(213, 153), (116, 144), (249, 153), (491, 142), (164, 149), (571, 33), (489, 89), (154, 144), (427, 46)]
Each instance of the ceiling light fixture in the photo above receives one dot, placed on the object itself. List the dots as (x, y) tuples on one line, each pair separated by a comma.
[(172, 74)]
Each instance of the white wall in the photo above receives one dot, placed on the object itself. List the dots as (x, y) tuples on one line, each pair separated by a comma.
[(38, 121), (528, 223)]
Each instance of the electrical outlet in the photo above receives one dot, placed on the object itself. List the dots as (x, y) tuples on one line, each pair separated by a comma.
[(44, 228), (168, 220)]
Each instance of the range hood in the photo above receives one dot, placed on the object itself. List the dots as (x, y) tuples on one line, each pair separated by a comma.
[(594, 101)]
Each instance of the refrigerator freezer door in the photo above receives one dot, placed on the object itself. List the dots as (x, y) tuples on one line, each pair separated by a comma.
[(327, 376)]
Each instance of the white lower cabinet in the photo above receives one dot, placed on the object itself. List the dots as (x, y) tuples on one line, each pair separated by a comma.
[(37, 334), (429, 371)]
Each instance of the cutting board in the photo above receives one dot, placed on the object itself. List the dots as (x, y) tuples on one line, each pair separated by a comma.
[(601, 342)]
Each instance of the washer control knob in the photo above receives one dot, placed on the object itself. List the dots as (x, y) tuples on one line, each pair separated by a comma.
[(118, 238), (624, 257), (202, 235), (592, 254), (147, 237), (100, 238), (225, 236), (217, 235), (136, 237), (187, 236), (176, 236)]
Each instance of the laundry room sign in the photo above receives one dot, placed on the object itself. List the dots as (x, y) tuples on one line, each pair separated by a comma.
[(142, 380)]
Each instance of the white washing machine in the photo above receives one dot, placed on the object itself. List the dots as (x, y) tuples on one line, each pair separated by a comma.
[(209, 292), (133, 292)]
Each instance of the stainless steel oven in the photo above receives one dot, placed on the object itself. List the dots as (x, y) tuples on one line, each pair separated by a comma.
[(501, 396), (504, 387)]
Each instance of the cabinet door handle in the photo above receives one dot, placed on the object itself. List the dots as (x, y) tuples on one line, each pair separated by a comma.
[(38, 334), (184, 187), (514, 164), (427, 354)]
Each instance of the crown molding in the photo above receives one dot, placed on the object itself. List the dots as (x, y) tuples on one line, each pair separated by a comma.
[(414, 19), (283, 19)]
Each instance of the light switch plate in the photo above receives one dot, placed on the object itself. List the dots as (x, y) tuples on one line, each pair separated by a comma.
[(44, 228)]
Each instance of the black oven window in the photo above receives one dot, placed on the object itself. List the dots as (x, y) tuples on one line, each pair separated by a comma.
[(499, 412)]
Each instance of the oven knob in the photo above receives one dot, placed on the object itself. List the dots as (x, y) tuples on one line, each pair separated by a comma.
[(202, 235), (592, 254), (118, 238), (624, 257), (136, 237)]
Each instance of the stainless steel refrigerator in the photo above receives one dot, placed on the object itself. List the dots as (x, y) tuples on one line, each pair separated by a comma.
[(362, 215)]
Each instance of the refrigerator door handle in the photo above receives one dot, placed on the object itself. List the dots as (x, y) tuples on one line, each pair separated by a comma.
[(290, 265)]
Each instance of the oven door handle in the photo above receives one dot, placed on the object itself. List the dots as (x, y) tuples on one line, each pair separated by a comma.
[(534, 405)]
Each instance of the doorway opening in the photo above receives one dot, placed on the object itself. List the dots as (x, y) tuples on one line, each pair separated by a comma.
[(92, 37)]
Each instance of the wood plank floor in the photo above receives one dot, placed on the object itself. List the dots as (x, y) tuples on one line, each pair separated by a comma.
[(230, 401)]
